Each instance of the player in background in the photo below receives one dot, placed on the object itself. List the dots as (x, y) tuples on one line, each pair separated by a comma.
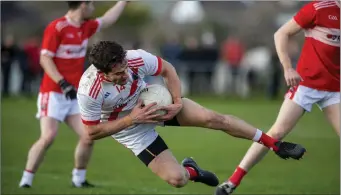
[(316, 80), (62, 57), (108, 99)]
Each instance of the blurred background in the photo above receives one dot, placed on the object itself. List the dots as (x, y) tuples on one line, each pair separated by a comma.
[(223, 48), (224, 54)]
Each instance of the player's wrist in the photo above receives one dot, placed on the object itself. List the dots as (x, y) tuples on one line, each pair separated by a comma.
[(177, 100), (128, 120), (62, 82)]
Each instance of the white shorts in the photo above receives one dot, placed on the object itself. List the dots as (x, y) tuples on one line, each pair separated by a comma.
[(55, 105), (139, 142), (306, 97)]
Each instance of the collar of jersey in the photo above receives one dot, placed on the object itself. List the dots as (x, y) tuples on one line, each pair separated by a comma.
[(72, 23)]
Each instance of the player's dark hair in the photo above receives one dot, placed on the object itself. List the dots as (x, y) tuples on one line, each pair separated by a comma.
[(75, 4), (105, 54)]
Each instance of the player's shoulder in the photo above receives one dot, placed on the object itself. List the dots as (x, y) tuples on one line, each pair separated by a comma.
[(136, 54), (58, 24), (89, 82), (91, 21), (322, 5), (133, 56)]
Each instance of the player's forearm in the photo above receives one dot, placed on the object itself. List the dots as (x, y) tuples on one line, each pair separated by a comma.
[(112, 15), (50, 68), (109, 128), (281, 43), (173, 84)]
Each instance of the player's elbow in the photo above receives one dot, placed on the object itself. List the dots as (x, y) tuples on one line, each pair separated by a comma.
[(167, 69), (281, 34), (277, 35), (44, 60)]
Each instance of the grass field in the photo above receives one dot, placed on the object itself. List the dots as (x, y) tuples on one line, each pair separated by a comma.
[(116, 171)]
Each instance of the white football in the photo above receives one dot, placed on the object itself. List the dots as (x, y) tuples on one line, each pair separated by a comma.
[(156, 93)]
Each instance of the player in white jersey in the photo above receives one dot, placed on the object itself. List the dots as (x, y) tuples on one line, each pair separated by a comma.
[(108, 98)]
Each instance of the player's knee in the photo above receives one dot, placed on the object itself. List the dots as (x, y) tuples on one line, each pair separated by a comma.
[(47, 139), (86, 141), (177, 179), (215, 120), (209, 119)]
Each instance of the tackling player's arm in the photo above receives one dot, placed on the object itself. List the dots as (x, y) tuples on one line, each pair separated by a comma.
[(112, 15)]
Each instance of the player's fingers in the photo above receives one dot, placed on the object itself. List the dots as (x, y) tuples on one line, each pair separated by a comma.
[(293, 80), (167, 116), (152, 116), (287, 82), (147, 107), (152, 111)]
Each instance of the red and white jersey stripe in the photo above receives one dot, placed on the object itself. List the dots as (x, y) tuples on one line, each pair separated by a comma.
[(101, 100)]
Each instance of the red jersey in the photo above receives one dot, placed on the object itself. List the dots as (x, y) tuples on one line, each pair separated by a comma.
[(319, 63), (67, 44)]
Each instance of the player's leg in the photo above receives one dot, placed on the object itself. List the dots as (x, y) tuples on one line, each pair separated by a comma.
[(292, 109), (151, 149), (331, 109), (48, 127), (161, 161), (50, 112), (192, 114), (287, 118), (332, 113), (83, 149)]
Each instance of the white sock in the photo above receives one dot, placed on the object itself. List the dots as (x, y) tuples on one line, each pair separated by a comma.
[(78, 176), (257, 136), (27, 178)]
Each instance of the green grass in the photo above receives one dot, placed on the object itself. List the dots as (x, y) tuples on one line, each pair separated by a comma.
[(116, 171)]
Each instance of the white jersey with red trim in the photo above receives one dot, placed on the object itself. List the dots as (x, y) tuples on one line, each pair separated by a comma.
[(319, 63), (100, 100), (67, 44)]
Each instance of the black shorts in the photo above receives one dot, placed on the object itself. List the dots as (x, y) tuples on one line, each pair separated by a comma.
[(158, 145)]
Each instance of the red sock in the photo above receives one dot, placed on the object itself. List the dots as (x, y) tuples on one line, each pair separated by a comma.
[(237, 176), (192, 173), (268, 142)]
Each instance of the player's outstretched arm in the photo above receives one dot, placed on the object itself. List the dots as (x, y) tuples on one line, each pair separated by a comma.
[(112, 15), (139, 115), (281, 42)]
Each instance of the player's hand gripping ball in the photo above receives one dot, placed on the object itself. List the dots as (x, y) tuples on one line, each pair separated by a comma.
[(156, 93)]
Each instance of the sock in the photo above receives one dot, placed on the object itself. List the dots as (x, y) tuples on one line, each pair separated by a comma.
[(27, 178), (237, 176), (192, 173), (78, 176), (266, 140)]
